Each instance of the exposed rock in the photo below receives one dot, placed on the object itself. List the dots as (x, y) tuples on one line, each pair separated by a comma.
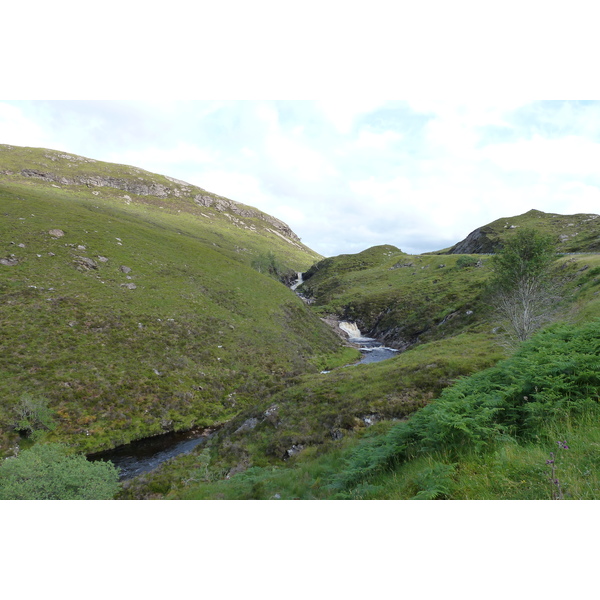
[(125, 269), (129, 286), (9, 262), (370, 419), (272, 415), (85, 263), (144, 186), (295, 449), (103, 259), (247, 425), (57, 233), (477, 242)]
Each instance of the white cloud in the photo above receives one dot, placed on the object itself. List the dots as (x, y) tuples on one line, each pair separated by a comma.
[(345, 174), (236, 186), (344, 112), (17, 129), (370, 140), (154, 158), (568, 155)]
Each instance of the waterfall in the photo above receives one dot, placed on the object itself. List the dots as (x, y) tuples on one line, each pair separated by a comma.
[(299, 282), (353, 332)]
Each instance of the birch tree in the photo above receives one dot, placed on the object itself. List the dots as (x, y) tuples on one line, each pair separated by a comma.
[(525, 293)]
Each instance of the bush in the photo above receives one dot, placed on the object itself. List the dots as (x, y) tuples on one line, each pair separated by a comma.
[(48, 472), (467, 261), (32, 414)]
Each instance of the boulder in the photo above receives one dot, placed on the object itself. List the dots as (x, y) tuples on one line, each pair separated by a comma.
[(83, 262)]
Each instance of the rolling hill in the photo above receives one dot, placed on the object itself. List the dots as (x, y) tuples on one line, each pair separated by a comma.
[(573, 233), (129, 301)]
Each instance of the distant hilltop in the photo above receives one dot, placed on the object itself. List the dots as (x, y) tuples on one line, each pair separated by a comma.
[(573, 233), (64, 169)]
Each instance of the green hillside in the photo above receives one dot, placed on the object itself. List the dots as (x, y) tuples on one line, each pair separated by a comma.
[(572, 233), (398, 298), (133, 314), (299, 442), (133, 304)]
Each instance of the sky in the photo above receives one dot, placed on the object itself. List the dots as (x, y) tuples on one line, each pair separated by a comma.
[(345, 174), (479, 130)]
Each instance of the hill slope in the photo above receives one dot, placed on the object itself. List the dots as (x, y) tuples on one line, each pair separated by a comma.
[(573, 233), (137, 313)]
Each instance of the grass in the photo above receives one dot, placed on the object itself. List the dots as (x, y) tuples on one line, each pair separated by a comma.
[(486, 436), (199, 338), (573, 233), (205, 339)]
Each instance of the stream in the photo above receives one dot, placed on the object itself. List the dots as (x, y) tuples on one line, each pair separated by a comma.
[(373, 350), (145, 455)]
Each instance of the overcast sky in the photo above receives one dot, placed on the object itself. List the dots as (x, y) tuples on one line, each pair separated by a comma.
[(348, 174)]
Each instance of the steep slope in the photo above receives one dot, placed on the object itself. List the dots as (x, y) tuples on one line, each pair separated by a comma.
[(573, 233), (398, 298), (231, 226), (134, 314)]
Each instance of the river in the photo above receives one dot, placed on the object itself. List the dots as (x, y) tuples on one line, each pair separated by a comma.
[(145, 455)]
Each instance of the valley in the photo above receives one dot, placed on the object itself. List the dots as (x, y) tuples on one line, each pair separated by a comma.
[(135, 306)]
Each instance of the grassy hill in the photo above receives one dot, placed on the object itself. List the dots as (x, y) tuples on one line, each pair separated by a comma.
[(134, 314), (132, 304), (398, 298), (573, 233), (305, 441)]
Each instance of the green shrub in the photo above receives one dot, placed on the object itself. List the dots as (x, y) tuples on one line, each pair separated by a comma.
[(269, 264), (466, 261), (48, 472), (32, 414)]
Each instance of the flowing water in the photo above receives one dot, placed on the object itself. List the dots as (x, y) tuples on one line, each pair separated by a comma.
[(373, 350), (145, 455), (299, 282)]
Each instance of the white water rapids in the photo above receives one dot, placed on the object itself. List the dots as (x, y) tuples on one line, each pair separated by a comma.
[(373, 350)]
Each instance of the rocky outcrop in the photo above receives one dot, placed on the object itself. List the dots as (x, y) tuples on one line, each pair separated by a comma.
[(180, 189), (477, 242)]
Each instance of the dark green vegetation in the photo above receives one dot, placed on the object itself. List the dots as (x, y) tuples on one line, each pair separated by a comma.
[(398, 298), (50, 472), (488, 436), (208, 335), (146, 315)]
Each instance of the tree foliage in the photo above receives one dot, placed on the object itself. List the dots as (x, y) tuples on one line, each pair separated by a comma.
[(32, 414), (524, 292), (49, 472)]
